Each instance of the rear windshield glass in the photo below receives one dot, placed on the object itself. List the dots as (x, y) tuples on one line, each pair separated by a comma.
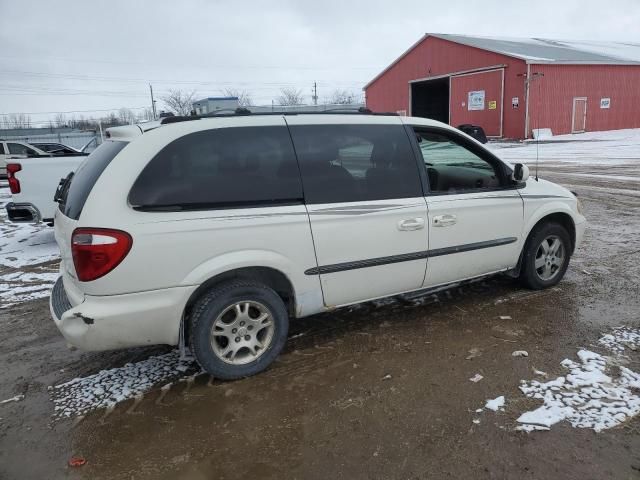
[(86, 176)]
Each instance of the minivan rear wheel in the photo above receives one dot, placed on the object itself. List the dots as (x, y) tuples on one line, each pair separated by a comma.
[(238, 329)]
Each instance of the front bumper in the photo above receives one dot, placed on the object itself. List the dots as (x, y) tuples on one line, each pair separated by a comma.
[(120, 321), (23, 213), (580, 228)]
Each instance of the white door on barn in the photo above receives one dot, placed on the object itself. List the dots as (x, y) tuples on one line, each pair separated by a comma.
[(579, 117)]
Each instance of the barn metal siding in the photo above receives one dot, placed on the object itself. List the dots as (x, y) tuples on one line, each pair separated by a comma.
[(434, 56), (551, 97), (489, 119)]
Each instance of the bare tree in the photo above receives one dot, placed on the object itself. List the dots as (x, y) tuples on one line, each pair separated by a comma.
[(180, 102), (342, 97), (290, 96), (244, 97), (60, 120), (111, 120), (18, 120), (146, 114), (126, 116)]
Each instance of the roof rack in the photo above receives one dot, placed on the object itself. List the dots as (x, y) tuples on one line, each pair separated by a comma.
[(230, 112)]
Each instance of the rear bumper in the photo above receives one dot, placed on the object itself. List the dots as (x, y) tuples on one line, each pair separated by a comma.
[(120, 321), (23, 213)]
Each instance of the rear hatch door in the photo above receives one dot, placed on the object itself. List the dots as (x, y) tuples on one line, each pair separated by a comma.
[(71, 197)]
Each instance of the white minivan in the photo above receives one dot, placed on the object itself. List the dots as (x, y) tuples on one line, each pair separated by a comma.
[(211, 233)]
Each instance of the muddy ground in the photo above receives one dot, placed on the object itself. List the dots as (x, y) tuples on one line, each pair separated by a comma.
[(378, 391)]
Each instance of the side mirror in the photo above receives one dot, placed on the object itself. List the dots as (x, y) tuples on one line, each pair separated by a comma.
[(520, 173)]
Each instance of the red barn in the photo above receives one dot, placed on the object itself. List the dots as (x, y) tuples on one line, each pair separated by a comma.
[(511, 86)]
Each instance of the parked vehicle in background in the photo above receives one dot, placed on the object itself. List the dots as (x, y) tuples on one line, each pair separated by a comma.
[(33, 180), (57, 148), (12, 150), (212, 232), (474, 131)]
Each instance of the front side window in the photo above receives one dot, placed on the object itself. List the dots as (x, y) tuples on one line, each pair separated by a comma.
[(226, 167), (452, 167), (1, 148), (351, 163)]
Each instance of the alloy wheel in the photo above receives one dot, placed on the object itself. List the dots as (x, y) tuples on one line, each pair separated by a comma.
[(242, 332), (550, 257)]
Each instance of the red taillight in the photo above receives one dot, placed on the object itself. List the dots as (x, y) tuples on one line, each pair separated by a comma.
[(14, 183), (97, 251)]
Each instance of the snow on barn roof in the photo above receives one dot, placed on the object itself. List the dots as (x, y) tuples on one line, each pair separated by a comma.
[(542, 50)]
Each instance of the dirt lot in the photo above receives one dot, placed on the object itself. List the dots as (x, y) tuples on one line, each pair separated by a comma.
[(377, 391)]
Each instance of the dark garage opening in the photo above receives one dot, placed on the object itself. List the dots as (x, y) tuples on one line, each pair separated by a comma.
[(430, 99)]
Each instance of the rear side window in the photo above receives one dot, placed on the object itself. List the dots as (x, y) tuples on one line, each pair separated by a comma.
[(221, 168), (1, 148), (351, 163), (86, 176), (19, 149)]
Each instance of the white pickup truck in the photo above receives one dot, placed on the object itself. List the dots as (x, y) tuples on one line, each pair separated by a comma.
[(33, 182)]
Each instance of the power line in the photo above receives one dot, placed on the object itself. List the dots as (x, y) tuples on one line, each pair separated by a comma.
[(167, 81), (74, 111), (227, 67)]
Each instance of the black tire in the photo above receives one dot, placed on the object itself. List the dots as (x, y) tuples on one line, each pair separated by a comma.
[(529, 276), (212, 304)]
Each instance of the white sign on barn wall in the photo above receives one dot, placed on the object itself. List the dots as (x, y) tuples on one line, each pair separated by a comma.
[(476, 100), (605, 102)]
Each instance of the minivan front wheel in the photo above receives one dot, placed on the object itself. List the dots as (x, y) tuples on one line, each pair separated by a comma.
[(546, 256), (238, 329)]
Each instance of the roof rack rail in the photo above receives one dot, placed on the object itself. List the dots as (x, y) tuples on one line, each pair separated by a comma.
[(241, 111), (177, 118)]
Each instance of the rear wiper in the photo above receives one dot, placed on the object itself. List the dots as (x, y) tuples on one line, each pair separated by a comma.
[(63, 187)]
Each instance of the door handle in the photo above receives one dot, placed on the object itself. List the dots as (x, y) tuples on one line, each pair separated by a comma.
[(411, 224), (444, 220)]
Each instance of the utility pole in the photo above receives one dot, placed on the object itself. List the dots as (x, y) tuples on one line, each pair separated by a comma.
[(315, 93), (153, 103)]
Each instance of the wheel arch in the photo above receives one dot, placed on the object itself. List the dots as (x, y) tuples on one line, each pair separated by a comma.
[(561, 217), (268, 276)]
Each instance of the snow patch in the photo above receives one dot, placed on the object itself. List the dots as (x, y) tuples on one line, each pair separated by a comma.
[(109, 387), (495, 404), (530, 428), (25, 246), (17, 398), (614, 147), (594, 394), (17, 287), (621, 339)]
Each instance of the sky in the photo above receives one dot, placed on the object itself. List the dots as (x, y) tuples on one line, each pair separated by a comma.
[(86, 57)]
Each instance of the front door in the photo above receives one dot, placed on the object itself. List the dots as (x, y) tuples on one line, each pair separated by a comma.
[(366, 207), (475, 214), (579, 118)]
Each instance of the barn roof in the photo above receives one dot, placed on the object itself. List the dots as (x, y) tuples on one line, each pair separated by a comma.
[(543, 50)]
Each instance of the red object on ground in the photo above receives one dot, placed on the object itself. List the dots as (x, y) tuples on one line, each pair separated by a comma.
[(77, 461)]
